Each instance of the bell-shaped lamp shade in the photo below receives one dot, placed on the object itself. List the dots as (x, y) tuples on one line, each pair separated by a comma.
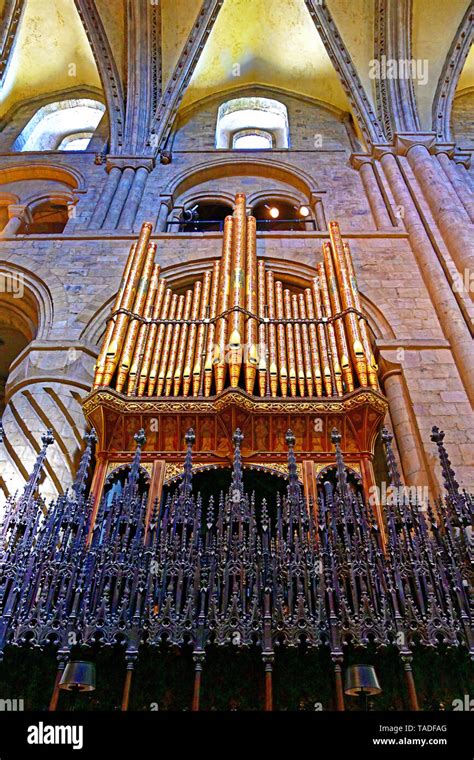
[(361, 680), (78, 676)]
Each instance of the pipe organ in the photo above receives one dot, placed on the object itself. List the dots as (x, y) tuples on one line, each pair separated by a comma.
[(240, 347)]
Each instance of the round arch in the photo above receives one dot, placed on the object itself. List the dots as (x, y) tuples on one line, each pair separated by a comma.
[(68, 175), (229, 167)]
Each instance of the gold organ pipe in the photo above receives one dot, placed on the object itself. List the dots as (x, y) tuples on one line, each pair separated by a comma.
[(307, 346), (321, 343), (134, 324), (196, 332), (290, 342), (120, 327), (351, 320), (321, 291), (187, 338), (220, 354), (251, 303), (100, 366), (138, 354), (298, 346), (175, 310), (167, 312), (327, 276), (372, 367), (208, 364), (281, 337), (151, 336), (177, 346), (239, 241), (272, 335), (262, 332)]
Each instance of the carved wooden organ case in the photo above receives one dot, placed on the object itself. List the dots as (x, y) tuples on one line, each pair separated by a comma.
[(237, 349)]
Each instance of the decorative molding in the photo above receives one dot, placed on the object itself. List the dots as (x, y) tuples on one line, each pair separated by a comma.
[(107, 68), (143, 72), (9, 25), (449, 78), (342, 62), (232, 397), (183, 71)]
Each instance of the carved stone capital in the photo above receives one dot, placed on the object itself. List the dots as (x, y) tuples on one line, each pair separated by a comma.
[(441, 147), (359, 159), (130, 162), (463, 157), (20, 211), (404, 141)]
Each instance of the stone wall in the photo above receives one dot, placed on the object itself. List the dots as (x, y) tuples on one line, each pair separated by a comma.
[(79, 272)]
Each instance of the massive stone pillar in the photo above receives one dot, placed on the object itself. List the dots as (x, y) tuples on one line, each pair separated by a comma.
[(135, 195), (408, 443), (461, 188), (448, 312), (450, 216), (364, 164), (100, 212), (119, 199), (44, 390)]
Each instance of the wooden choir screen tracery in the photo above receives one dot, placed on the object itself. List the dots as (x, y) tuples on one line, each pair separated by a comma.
[(238, 349)]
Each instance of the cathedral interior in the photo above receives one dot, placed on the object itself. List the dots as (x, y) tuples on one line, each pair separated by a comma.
[(236, 354)]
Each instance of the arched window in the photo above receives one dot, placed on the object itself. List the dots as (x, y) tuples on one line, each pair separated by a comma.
[(206, 216), (252, 124), (277, 215), (252, 139), (76, 141), (18, 323), (48, 218), (56, 125)]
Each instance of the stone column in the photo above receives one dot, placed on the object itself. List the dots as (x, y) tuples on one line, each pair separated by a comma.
[(409, 449), (18, 214), (166, 204), (106, 198), (464, 173), (120, 198), (319, 215), (372, 190), (442, 297), (449, 215), (135, 195), (462, 190)]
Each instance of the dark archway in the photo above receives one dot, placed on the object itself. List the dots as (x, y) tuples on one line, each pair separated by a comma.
[(204, 217), (263, 483)]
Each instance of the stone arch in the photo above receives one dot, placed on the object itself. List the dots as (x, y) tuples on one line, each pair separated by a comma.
[(94, 316), (231, 166), (107, 68), (449, 78), (68, 175), (55, 109), (34, 286)]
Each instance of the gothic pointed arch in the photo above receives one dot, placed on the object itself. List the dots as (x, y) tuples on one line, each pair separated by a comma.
[(448, 81), (107, 68), (183, 71), (342, 62)]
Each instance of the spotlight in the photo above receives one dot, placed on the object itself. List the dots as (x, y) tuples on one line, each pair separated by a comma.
[(273, 211), (304, 211)]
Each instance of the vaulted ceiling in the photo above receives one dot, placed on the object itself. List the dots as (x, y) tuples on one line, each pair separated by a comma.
[(273, 43)]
